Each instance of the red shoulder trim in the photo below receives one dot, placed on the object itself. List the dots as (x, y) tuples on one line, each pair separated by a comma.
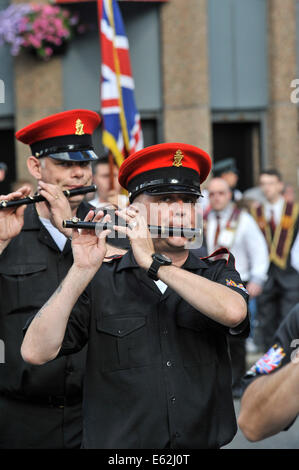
[(113, 257), (221, 253)]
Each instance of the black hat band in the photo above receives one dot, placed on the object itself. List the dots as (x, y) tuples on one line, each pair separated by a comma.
[(65, 143), (184, 180), (66, 148)]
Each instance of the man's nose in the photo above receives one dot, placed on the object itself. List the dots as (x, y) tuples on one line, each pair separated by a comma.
[(179, 207), (77, 171)]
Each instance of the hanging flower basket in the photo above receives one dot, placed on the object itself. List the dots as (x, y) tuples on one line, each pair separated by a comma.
[(49, 50), (45, 30)]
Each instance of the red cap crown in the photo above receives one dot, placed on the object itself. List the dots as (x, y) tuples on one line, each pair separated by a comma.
[(162, 156), (164, 169), (74, 122), (62, 136)]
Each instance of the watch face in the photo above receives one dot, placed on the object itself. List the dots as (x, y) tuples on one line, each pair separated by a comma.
[(162, 258)]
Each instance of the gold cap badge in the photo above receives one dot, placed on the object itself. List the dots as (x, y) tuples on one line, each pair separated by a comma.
[(178, 157), (79, 127)]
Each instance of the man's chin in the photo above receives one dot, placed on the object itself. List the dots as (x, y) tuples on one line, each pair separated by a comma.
[(177, 242), (76, 200)]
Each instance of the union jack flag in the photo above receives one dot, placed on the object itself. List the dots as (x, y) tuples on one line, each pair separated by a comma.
[(122, 133), (270, 361)]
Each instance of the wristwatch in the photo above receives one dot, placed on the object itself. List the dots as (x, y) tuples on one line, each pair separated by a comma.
[(158, 260)]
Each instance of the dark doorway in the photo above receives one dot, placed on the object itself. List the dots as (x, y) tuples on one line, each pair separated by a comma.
[(240, 141), (7, 156)]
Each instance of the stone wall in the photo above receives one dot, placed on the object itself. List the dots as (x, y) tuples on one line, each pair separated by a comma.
[(185, 73)]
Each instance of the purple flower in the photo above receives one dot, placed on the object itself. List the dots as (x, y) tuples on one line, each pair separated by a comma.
[(33, 25)]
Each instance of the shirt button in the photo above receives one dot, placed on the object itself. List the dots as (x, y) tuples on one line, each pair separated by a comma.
[(173, 399), (165, 331), (169, 363)]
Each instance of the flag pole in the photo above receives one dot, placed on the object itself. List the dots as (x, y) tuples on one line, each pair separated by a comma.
[(111, 170)]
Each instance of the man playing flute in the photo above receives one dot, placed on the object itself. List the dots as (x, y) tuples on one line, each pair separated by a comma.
[(156, 320), (40, 407)]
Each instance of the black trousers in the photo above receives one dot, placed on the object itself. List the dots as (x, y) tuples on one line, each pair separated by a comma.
[(29, 426)]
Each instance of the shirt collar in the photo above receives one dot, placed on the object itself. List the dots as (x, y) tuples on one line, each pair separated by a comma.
[(226, 211), (278, 204)]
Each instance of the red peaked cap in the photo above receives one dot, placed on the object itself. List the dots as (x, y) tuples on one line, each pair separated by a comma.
[(165, 168), (63, 136)]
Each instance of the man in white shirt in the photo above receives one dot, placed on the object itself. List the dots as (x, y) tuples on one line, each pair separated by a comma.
[(228, 226), (295, 254), (278, 220)]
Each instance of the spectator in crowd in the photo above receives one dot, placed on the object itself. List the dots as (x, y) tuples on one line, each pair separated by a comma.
[(254, 196), (278, 220), (109, 191), (226, 225), (289, 193), (227, 170), (3, 171), (295, 254)]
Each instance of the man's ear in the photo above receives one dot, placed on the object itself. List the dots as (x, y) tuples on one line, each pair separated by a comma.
[(34, 167)]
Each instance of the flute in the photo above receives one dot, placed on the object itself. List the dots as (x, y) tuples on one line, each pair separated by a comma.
[(39, 197), (75, 222)]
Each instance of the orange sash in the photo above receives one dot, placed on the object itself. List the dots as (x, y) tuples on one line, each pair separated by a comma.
[(279, 246)]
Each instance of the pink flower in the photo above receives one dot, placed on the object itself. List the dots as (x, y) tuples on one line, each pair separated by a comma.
[(48, 51), (29, 25), (50, 38), (49, 10), (34, 41), (64, 33), (57, 22), (57, 41), (36, 7)]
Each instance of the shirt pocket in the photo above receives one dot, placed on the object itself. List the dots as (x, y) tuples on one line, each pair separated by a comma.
[(196, 338), (123, 342), (21, 287)]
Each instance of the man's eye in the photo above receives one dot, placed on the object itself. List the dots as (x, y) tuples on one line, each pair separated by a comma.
[(65, 164)]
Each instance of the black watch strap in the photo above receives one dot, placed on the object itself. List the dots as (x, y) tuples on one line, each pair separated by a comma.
[(153, 270), (158, 261)]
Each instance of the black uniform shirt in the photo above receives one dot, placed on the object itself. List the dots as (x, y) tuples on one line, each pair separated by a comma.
[(158, 371), (31, 267)]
